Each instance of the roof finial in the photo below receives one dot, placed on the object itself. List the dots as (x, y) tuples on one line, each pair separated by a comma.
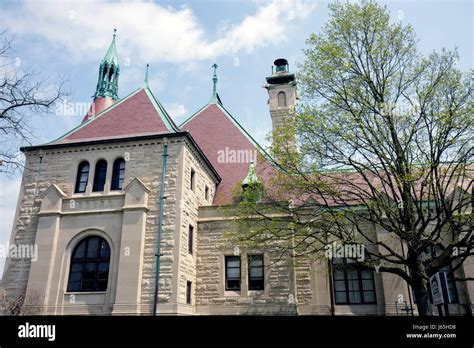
[(145, 82), (115, 32), (215, 97), (214, 78), (251, 177)]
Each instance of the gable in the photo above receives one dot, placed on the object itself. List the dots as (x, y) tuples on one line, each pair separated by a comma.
[(228, 147), (137, 114)]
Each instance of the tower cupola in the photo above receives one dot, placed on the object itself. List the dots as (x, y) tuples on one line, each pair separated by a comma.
[(107, 83), (281, 87), (106, 92)]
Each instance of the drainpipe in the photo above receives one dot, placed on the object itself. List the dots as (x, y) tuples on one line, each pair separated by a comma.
[(160, 224), (331, 287)]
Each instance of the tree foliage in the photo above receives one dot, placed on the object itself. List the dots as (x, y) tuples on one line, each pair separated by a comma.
[(384, 142)]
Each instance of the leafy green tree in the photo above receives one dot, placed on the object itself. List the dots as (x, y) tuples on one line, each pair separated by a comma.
[(382, 140)]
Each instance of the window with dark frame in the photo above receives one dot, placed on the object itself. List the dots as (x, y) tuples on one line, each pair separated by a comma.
[(232, 273), (256, 272), (100, 176), (189, 288), (190, 239), (206, 193), (82, 177), (452, 290), (89, 270), (192, 179), (453, 293), (118, 174), (353, 284)]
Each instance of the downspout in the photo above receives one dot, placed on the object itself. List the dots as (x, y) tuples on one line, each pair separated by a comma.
[(160, 225), (331, 288)]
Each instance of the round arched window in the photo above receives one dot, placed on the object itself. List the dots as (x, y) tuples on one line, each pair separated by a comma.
[(89, 265)]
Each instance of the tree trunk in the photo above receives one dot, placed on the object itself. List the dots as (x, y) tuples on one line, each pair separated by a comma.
[(420, 288)]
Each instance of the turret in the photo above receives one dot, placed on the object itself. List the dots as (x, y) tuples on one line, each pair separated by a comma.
[(281, 87), (106, 92)]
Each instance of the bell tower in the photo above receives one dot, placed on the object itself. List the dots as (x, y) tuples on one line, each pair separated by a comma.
[(106, 92), (281, 87), (107, 84)]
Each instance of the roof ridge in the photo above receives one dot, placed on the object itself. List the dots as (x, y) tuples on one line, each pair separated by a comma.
[(92, 119), (169, 123), (246, 134), (195, 114), (237, 124)]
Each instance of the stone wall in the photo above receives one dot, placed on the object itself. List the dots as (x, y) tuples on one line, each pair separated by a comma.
[(278, 296), (98, 210)]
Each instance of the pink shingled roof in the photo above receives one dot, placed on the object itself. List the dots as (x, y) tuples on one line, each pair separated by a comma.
[(214, 131), (133, 116)]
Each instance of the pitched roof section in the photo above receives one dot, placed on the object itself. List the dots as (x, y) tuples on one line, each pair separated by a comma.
[(140, 113), (228, 147)]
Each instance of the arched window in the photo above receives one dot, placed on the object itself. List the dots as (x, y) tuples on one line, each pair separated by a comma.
[(111, 74), (104, 77), (118, 174), (281, 99), (89, 265), (82, 177), (99, 176)]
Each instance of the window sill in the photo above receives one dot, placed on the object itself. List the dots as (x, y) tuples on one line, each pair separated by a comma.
[(85, 292), (356, 304), (98, 194), (230, 293)]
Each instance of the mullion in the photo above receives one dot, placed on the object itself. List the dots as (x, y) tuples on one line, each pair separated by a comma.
[(360, 291), (96, 260), (84, 258)]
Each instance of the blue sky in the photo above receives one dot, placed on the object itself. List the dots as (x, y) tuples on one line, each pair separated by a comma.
[(181, 40)]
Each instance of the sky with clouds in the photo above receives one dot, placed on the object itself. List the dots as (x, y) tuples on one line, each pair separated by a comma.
[(181, 40)]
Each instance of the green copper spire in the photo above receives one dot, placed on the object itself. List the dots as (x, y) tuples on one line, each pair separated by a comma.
[(107, 84), (111, 56), (145, 81), (251, 177), (252, 187), (215, 97)]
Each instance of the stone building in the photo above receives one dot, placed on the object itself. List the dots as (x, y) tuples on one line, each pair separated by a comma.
[(128, 198)]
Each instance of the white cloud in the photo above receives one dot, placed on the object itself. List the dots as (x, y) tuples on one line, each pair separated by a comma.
[(178, 112), (148, 31)]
